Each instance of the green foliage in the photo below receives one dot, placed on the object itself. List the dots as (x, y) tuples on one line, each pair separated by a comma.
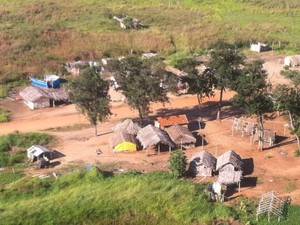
[(177, 163), (225, 62), (293, 75), (94, 174), (114, 200), (253, 90), (140, 81), (9, 177), (4, 115), (90, 94), (20, 142), (297, 152)]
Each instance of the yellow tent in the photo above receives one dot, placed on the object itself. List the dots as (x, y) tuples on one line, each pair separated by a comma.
[(125, 146)]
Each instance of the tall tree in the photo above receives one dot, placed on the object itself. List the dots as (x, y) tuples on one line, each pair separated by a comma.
[(225, 62), (90, 94), (140, 81), (253, 94), (288, 99), (199, 83)]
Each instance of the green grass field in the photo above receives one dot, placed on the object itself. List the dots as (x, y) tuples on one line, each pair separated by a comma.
[(81, 197), (37, 37)]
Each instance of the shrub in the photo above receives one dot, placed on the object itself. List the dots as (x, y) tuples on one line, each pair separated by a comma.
[(297, 152), (4, 115), (94, 173), (177, 163)]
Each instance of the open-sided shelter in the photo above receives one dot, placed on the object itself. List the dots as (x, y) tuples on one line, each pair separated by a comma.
[(181, 136), (151, 135), (167, 121), (123, 142), (127, 126), (202, 164)]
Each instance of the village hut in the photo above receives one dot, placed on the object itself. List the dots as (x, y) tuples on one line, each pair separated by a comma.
[(36, 98), (37, 152), (167, 121), (127, 126), (181, 136), (202, 164), (293, 60), (123, 142), (229, 165), (229, 161), (151, 135)]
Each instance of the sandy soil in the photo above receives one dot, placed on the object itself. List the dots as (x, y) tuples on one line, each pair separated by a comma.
[(271, 170)]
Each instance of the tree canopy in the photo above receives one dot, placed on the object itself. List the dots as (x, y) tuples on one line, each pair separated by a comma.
[(90, 94), (140, 81), (225, 62), (199, 83), (253, 93)]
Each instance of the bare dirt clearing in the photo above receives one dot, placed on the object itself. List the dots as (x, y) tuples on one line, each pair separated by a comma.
[(272, 171)]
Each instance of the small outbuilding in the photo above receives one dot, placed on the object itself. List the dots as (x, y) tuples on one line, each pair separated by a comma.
[(151, 136), (123, 142), (181, 136), (202, 164), (36, 97), (37, 152), (167, 121), (259, 47), (229, 161)]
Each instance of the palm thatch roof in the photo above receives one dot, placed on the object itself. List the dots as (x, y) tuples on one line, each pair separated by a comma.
[(229, 177), (229, 157), (180, 135), (127, 126), (119, 137), (204, 158), (151, 135), (33, 94)]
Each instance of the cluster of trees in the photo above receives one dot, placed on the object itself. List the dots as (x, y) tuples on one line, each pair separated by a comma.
[(142, 84)]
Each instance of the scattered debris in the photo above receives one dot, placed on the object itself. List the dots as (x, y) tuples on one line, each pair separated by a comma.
[(282, 152)]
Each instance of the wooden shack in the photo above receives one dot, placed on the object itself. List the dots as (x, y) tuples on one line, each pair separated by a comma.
[(181, 136), (202, 164), (229, 161)]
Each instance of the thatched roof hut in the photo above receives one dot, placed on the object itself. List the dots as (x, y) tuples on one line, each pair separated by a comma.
[(127, 126), (35, 97), (181, 136), (122, 141), (229, 177), (151, 135), (202, 164), (229, 161)]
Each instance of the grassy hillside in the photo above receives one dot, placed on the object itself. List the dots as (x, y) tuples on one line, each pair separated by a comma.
[(38, 36), (96, 198)]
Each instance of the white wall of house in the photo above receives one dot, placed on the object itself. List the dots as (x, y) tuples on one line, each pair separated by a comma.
[(38, 105)]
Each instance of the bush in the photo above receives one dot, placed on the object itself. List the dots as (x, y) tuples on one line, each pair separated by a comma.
[(94, 173), (297, 152), (177, 163), (4, 115)]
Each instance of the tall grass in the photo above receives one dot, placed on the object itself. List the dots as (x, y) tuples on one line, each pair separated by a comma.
[(37, 37), (13, 146)]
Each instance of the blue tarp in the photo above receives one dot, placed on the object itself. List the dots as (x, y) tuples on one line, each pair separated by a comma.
[(45, 84)]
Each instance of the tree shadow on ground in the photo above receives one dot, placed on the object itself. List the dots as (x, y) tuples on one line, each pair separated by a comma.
[(208, 111)]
